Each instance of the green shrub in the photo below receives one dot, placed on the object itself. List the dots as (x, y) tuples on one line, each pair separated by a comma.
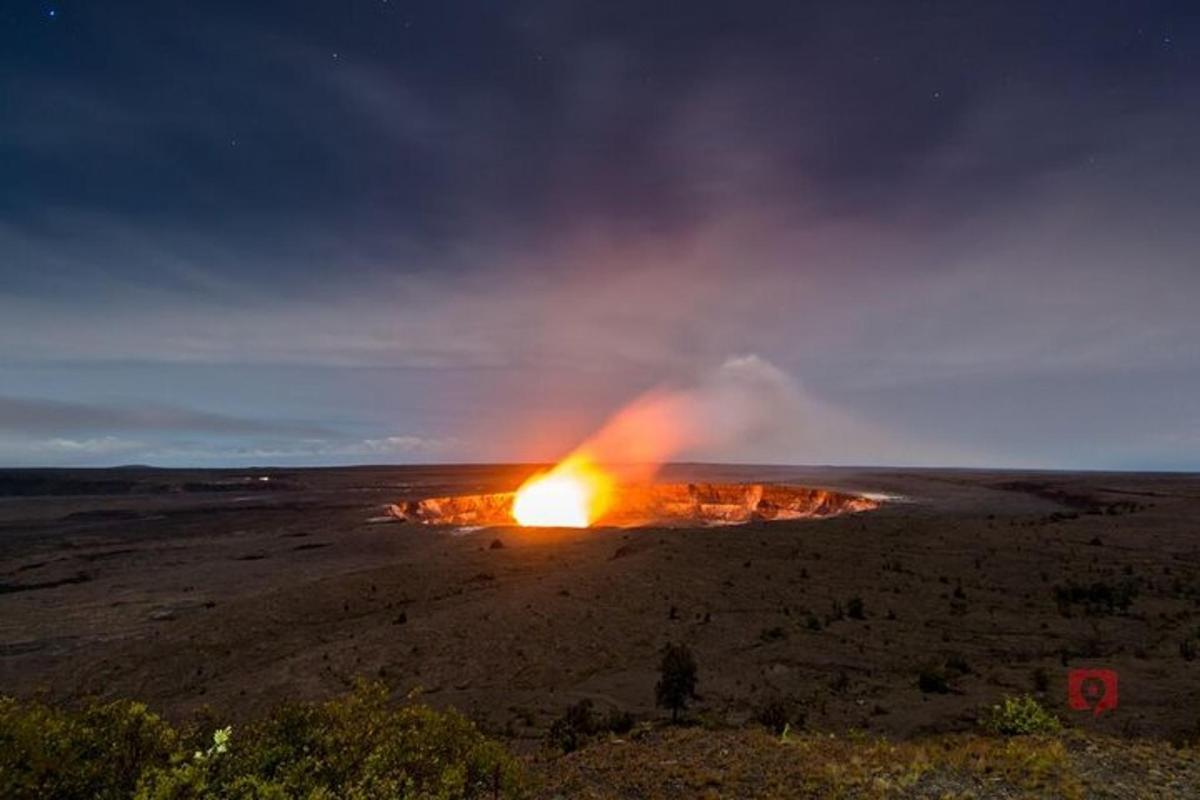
[(1019, 716), (98, 753), (355, 747)]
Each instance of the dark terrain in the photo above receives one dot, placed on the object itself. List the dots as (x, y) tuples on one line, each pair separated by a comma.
[(188, 589)]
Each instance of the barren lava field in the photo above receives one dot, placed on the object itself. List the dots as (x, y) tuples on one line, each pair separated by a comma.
[(236, 589)]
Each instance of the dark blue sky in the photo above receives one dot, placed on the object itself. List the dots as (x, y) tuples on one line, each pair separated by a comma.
[(337, 232)]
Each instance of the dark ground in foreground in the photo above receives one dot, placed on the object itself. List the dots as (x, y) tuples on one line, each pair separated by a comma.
[(204, 588)]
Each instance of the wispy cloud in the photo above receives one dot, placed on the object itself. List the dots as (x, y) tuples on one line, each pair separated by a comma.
[(573, 209), (33, 416), (159, 450)]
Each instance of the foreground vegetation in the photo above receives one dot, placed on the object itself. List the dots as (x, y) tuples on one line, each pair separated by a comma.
[(357, 747), (363, 746)]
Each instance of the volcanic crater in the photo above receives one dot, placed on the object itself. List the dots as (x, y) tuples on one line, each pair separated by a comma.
[(664, 504)]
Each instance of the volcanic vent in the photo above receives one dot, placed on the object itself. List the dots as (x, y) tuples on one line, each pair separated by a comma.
[(666, 504)]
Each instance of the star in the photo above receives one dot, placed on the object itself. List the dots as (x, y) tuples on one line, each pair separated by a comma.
[(52, 12)]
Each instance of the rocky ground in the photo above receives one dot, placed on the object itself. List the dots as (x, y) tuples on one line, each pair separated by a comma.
[(227, 591), (689, 763)]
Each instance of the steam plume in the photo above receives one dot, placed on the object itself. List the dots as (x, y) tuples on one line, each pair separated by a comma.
[(742, 401)]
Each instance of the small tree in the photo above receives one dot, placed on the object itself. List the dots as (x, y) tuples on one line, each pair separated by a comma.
[(677, 679)]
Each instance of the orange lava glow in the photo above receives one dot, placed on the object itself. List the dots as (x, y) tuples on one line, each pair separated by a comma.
[(572, 495), (628, 449)]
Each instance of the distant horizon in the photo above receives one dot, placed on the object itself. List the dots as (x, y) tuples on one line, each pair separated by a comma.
[(547, 464)]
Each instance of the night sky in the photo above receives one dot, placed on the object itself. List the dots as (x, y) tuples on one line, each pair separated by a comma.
[(360, 231)]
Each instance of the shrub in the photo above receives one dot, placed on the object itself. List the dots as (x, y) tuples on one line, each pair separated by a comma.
[(932, 680), (778, 714), (572, 730), (1187, 649), (361, 746), (356, 747), (958, 664), (854, 608), (1019, 716), (1098, 598), (677, 679), (619, 721), (767, 635), (96, 753)]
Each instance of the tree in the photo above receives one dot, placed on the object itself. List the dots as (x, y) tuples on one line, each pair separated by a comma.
[(677, 679)]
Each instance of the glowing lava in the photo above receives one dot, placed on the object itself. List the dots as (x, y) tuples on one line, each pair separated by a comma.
[(572, 495)]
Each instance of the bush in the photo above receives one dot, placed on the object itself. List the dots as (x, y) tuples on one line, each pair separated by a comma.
[(677, 679), (767, 635), (98, 753), (572, 730), (957, 664), (855, 608), (1019, 716), (932, 680), (1097, 599), (356, 747), (778, 714), (1187, 649), (619, 722)]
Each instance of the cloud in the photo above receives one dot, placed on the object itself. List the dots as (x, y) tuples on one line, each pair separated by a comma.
[(20, 451), (24, 451), (404, 448), (103, 446), (31, 416), (576, 209), (403, 445), (40, 432)]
